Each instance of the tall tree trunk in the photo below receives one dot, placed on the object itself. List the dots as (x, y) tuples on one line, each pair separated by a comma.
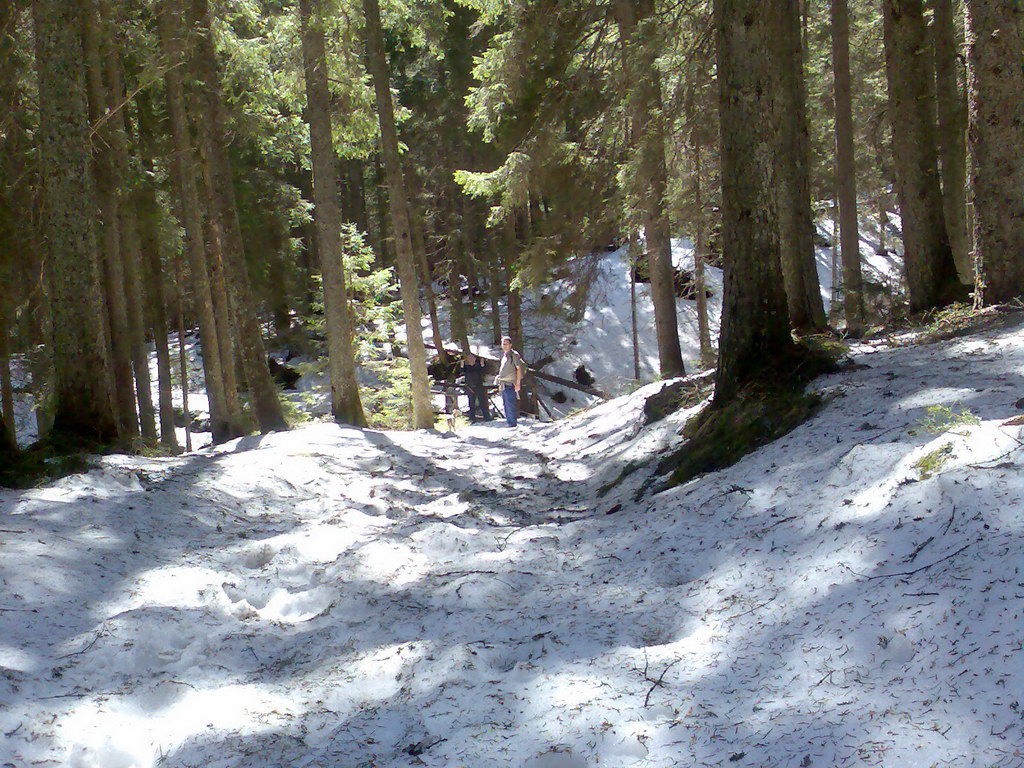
[(457, 247), (423, 413), (148, 214), (846, 172), (632, 259), (222, 424), (131, 250), (636, 26), (222, 310), (796, 222), (513, 300), (112, 266), (6, 386), (426, 272), (707, 353), (496, 268), (931, 274), (266, 403), (84, 407), (755, 341), (346, 405), (952, 110), (996, 140)]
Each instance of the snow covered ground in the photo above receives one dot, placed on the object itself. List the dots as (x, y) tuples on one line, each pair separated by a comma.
[(333, 597)]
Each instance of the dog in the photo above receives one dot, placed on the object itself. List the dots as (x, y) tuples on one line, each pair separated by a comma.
[(451, 418)]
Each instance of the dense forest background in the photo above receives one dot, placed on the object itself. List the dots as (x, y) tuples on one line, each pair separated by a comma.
[(318, 175)]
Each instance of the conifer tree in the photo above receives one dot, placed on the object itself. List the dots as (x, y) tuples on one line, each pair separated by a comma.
[(423, 415), (639, 53), (266, 405), (846, 171), (223, 421), (755, 340), (928, 258), (951, 106), (83, 408), (996, 140), (346, 405)]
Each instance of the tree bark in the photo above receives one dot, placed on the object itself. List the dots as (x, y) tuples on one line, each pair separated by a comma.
[(346, 405), (755, 340), (647, 133), (84, 407), (131, 250), (426, 272), (423, 413), (266, 403), (707, 353), (931, 273), (222, 424), (952, 125), (112, 265), (796, 223), (846, 172), (6, 387), (996, 86), (148, 214)]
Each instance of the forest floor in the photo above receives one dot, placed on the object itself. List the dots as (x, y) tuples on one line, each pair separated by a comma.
[(850, 595)]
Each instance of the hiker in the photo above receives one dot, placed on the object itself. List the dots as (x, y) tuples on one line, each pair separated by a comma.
[(510, 379), (476, 390)]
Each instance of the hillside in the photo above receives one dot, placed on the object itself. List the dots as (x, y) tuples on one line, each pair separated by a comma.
[(847, 596)]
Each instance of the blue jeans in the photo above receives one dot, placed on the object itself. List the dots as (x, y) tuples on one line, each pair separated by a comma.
[(508, 398)]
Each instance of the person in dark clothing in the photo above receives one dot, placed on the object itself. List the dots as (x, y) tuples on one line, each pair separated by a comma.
[(476, 391)]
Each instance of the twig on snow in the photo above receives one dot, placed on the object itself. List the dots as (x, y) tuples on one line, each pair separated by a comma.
[(751, 610), (949, 523), (90, 645), (916, 570), (919, 548), (656, 683)]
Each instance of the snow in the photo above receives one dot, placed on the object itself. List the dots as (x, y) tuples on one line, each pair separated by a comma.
[(492, 597), (847, 596)]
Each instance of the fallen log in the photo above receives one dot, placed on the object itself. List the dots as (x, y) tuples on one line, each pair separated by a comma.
[(569, 383)]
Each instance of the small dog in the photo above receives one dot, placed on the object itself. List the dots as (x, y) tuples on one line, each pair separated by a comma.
[(450, 419)]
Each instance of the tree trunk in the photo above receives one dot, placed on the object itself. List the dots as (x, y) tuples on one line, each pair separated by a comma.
[(148, 214), (266, 404), (426, 272), (846, 172), (952, 111), (931, 273), (6, 387), (131, 250), (796, 223), (222, 424), (648, 194), (84, 407), (423, 413), (755, 341), (996, 85), (495, 270), (513, 301), (632, 258), (707, 352), (222, 310), (346, 405), (112, 266)]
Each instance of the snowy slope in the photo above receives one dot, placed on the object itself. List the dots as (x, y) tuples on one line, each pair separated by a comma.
[(335, 597)]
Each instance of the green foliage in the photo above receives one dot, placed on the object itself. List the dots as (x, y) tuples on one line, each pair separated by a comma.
[(932, 462), (942, 419), (389, 405)]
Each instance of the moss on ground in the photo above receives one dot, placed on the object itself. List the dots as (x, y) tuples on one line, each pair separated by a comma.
[(719, 437), (760, 413)]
